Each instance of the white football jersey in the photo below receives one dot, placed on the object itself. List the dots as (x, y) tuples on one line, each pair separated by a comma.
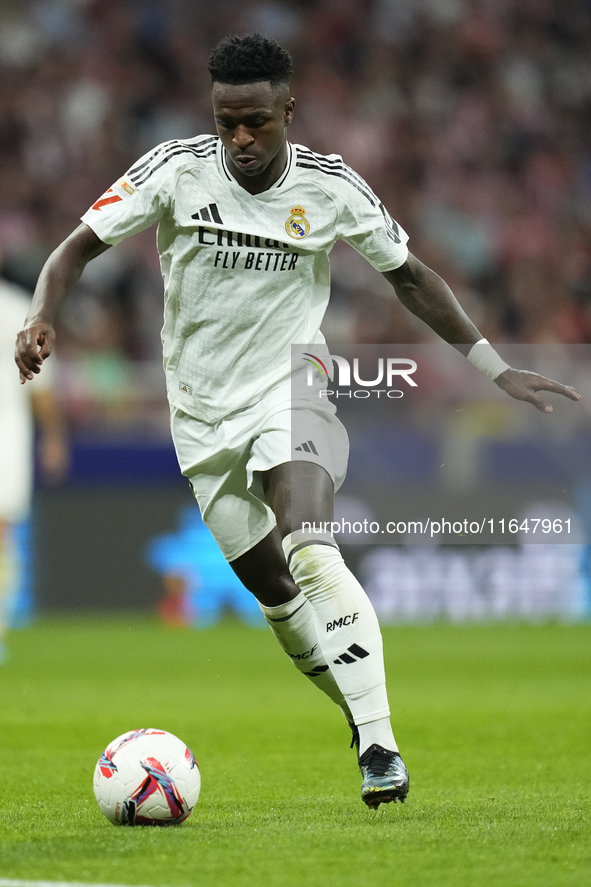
[(245, 276)]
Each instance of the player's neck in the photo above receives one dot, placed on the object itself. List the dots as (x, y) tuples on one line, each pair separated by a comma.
[(264, 181)]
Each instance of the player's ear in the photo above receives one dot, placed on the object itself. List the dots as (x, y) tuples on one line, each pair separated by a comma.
[(288, 111)]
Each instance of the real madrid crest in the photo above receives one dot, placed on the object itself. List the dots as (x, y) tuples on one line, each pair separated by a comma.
[(297, 225)]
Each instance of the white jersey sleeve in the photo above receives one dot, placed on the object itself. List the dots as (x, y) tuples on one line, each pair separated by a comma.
[(364, 222), (139, 198)]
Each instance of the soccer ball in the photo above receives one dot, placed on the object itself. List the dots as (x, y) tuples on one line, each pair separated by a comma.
[(146, 777)]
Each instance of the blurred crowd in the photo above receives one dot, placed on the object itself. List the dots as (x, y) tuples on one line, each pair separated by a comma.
[(471, 119)]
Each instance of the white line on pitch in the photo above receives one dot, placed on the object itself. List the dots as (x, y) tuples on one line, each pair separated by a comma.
[(11, 882)]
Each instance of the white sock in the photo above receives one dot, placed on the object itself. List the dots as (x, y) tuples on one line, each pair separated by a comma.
[(294, 627), (376, 733), (347, 629)]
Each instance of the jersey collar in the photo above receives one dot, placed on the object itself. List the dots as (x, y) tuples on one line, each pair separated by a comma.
[(227, 175)]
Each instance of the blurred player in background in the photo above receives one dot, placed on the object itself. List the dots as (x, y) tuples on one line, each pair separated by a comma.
[(19, 408), (198, 584), (246, 223)]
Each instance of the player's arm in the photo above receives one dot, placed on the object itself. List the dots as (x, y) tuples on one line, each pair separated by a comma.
[(428, 297), (61, 271)]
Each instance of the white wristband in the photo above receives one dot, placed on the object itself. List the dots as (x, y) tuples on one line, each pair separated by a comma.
[(485, 358)]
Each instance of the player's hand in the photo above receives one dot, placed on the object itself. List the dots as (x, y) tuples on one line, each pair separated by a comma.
[(523, 385), (34, 344)]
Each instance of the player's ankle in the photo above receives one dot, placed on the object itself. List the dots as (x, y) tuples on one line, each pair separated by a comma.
[(377, 732)]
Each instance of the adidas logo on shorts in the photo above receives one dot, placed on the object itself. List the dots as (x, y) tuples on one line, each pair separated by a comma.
[(307, 447)]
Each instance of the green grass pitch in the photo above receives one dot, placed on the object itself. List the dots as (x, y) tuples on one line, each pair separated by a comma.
[(493, 722)]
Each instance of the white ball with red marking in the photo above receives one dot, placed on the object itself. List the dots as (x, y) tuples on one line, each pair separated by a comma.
[(147, 777)]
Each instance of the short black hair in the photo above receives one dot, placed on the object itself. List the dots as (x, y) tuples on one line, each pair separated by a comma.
[(249, 59)]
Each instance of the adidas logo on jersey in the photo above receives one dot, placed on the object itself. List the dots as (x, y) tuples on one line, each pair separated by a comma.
[(357, 653), (307, 447), (208, 214)]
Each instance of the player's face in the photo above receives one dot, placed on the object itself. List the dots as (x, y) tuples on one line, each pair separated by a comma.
[(251, 120)]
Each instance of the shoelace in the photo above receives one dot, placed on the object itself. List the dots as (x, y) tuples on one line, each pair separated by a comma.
[(377, 761)]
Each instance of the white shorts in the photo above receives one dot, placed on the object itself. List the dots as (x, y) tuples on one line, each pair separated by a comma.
[(221, 461)]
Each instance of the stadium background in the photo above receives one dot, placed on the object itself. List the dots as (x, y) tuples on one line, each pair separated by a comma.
[(469, 119)]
